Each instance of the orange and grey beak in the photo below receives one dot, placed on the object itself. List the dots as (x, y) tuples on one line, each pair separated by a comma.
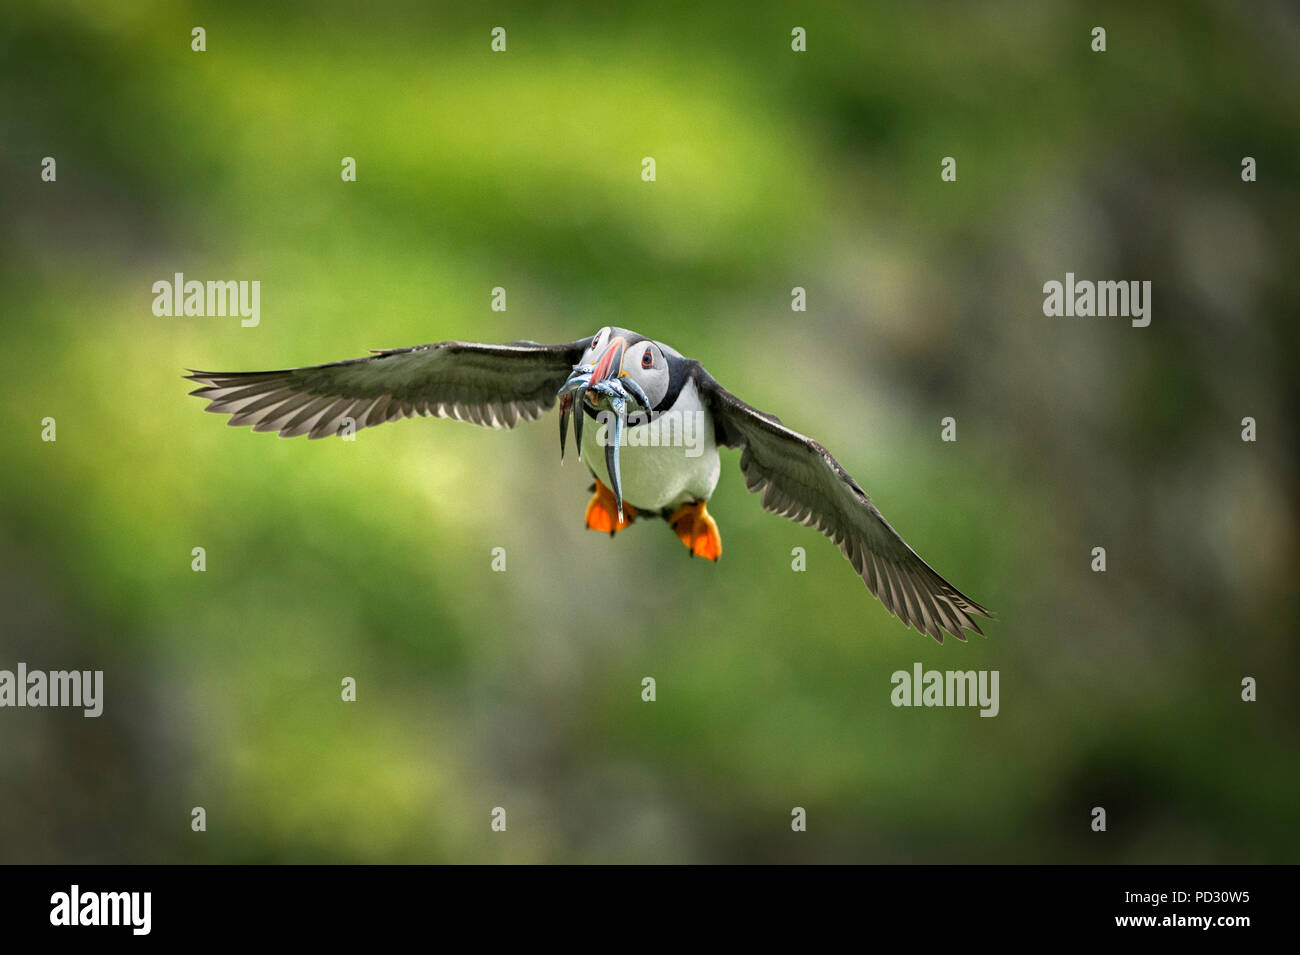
[(610, 364)]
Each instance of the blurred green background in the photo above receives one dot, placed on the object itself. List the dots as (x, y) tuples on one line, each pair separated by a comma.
[(775, 169)]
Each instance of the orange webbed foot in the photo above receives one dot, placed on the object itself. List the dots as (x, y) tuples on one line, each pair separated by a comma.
[(602, 512), (694, 525)]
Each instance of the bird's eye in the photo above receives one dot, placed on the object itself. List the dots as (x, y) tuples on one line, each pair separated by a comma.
[(648, 359)]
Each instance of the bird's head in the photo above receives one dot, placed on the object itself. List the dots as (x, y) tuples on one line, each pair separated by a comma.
[(625, 359)]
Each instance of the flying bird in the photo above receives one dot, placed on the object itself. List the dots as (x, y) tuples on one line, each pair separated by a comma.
[(614, 384)]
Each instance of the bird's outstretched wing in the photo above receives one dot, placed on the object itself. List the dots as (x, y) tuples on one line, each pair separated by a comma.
[(800, 480), (491, 385)]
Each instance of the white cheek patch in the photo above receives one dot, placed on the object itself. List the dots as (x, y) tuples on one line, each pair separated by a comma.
[(655, 383)]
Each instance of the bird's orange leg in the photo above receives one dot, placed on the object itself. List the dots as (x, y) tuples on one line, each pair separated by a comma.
[(602, 512), (695, 526)]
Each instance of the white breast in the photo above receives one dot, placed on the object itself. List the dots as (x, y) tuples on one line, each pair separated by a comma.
[(666, 463)]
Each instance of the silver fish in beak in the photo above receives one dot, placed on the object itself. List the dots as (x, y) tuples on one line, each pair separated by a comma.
[(612, 387), (617, 397), (571, 394)]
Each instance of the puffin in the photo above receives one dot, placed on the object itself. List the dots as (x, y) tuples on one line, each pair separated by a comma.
[(648, 425)]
